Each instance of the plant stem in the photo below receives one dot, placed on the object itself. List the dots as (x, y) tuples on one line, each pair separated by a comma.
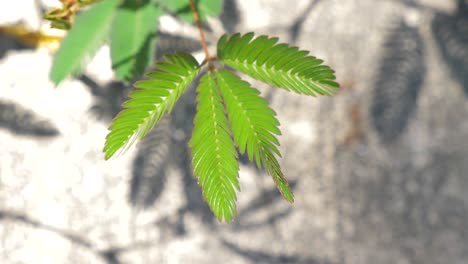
[(196, 18)]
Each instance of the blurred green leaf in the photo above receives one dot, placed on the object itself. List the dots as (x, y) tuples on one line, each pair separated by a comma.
[(210, 8), (182, 8), (89, 31), (133, 38), (175, 5)]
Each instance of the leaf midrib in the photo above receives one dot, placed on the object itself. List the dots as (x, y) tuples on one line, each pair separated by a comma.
[(218, 145), (282, 72), (160, 106), (240, 104)]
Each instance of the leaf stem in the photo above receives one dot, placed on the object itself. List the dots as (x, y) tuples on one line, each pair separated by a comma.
[(196, 18)]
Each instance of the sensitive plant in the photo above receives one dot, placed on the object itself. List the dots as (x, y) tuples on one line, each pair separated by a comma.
[(231, 119)]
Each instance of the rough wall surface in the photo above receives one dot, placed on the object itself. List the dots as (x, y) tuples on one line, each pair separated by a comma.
[(380, 171)]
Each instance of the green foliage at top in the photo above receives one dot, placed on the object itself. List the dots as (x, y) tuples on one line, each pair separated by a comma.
[(133, 38), (130, 27), (182, 8), (209, 8), (83, 40), (231, 115), (277, 64)]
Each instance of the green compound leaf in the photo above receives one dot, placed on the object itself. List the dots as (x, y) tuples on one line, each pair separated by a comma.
[(254, 126), (210, 8), (88, 32), (133, 38), (182, 8), (214, 157), (175, 5), (150, 101), (277, 64)]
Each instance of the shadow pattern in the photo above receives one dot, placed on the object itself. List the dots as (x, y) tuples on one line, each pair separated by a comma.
[(296, 27), (398, 82), (8, 43), (24, 122), (258, 256), (451, 35), (403, 207), (107, 98), (230, 17), (169, 43), (149, 173), (265, 199), (108, 255)]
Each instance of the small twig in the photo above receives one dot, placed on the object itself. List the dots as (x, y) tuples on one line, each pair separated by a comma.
[(196, 18)]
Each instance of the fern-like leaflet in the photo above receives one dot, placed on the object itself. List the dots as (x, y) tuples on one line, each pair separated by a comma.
[(254, 126), (152, 99), (214, 158), (276, 64)]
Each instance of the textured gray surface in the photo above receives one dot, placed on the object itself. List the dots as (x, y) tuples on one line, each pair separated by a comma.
[(380, 171)]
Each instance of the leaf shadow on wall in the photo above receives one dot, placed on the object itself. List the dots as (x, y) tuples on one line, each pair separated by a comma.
[(398, 82), (266, 199), (107, 98), (258, 256), (415, 203), (109, 255), (296, 28), (149, 170), (230, 17), (24, 122), (8, 43), (451, 35)]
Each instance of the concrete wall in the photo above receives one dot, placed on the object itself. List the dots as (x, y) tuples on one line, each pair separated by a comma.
[(380, 171)]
